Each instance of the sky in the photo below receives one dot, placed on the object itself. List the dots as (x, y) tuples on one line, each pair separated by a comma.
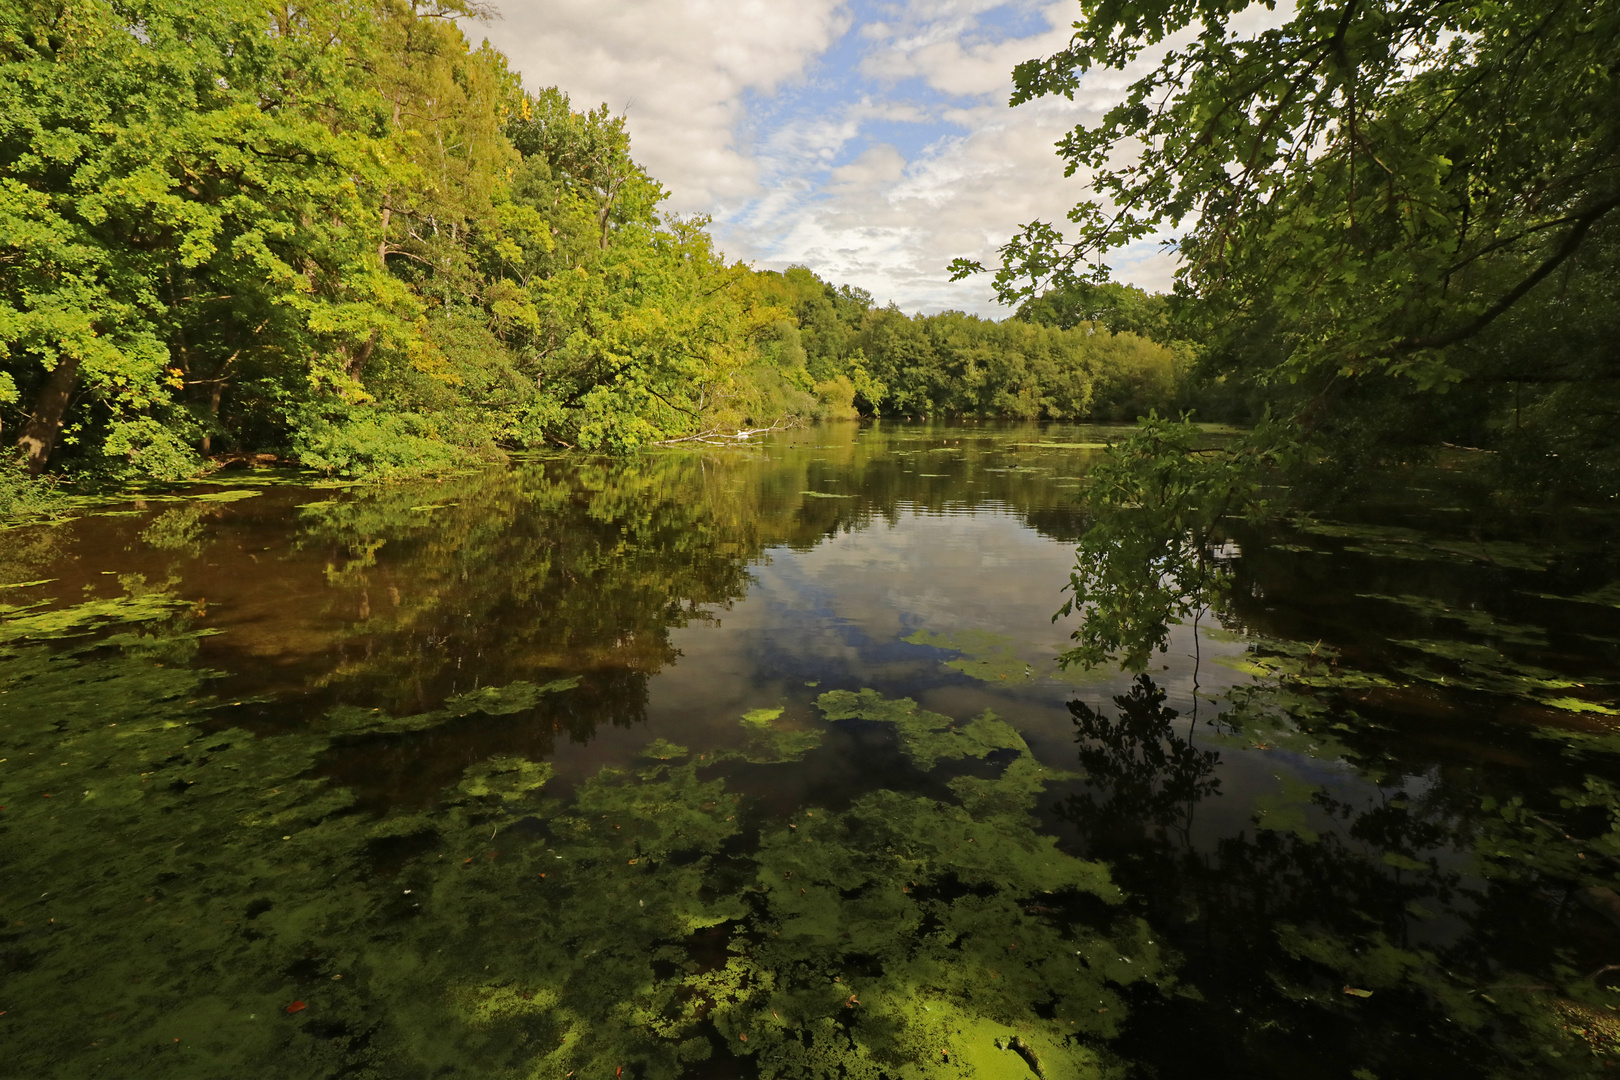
[(869, 140)]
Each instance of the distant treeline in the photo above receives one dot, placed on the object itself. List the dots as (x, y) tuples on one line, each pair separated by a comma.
[(341, 234), (1038, 366)]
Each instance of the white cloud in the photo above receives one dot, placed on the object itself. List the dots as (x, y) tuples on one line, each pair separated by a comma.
[(875, 164), (945, 44), (893, 225), (683, 67)]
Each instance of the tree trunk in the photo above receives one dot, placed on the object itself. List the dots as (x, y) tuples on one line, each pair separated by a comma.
[(357, 360), (39, 436), (214, 393)]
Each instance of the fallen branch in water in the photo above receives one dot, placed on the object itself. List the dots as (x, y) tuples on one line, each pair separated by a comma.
[(720, 437)]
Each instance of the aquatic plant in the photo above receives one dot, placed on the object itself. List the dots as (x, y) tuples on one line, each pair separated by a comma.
[(190, 896)]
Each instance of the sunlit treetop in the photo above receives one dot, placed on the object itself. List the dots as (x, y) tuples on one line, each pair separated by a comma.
[(1386, 178)]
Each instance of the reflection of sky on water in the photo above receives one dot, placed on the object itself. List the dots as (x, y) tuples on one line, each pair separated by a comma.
[(835, 616)]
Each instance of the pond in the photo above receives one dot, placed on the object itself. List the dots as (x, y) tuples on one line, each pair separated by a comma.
[(757, 761)]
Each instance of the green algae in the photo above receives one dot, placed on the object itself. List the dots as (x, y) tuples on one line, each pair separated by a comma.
[(1298, 686), (871, 969), (842, 957), (1298, 663), (1285, 811), (1065, 445), (1604, 596), (1295, 701), (1342, 958), (770, 741), (1485, 668), (1473, 620), (513, 698), (762, 718), (994, 658), (985, 656), (229, 495), (504, 777), (176, 884), (927, 738), (454, 957), (134, 846), (664, 750), (505, 700), (1527, 1022), (134, 608), (1601, 739), (1399, 542), (1578, 705)]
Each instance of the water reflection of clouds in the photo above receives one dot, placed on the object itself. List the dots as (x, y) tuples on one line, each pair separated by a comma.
[(835, 615)]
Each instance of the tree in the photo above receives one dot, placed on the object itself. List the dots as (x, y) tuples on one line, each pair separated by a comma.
[(1116, 307), (1363, 188), (337, 230), (1159, 501), (187, 200)]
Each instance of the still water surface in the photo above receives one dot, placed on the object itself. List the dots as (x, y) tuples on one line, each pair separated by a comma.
[(757, 762)]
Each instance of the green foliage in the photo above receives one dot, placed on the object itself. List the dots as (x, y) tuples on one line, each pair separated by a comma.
[(1147, 562), (24, 499), (186, 194), (956, 364), (343, 234), (378, 443), (347, 236), (1376, 171), (1120, 309), (869, 359), (1396, 221)]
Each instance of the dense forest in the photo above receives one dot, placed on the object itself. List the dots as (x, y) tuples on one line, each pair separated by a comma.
[(342, 235)]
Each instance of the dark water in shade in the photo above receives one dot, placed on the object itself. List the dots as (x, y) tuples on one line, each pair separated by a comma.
[(604, 768)]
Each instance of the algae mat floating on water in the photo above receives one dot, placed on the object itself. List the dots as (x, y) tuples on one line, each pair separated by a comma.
[(187, 899)]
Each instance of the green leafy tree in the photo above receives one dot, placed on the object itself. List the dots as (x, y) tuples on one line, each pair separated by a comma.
[(1363, 195), (1161, 499), (189, 203), (1116, 307)]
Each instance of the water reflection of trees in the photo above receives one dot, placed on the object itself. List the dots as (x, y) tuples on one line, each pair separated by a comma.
[(542, 571), (562, 566), (1141, 774), (1453, 973)]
